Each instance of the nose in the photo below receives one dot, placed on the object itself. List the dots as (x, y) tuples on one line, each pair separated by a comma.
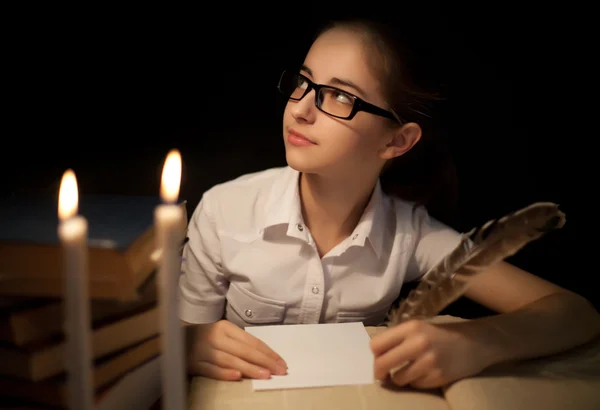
[(304, 110)]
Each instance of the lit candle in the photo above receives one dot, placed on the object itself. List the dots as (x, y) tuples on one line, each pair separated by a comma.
[(169, 230), (72, 231)]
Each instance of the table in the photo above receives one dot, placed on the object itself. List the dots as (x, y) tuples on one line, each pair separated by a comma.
[(210, 394), (567, 381)]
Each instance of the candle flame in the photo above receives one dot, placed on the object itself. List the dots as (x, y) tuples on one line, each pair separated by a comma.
[(171, 177), (68, 196)]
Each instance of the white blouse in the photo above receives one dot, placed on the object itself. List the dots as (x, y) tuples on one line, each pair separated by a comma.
[(250, 258)]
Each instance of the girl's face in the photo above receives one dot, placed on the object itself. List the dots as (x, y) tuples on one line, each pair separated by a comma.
[(337, 147)]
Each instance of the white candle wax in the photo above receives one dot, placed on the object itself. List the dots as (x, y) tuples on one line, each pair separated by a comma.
[(78, 356), (168, 220)]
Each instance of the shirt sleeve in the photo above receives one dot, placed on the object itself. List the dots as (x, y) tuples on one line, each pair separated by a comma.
[(202, 284), (434, 240)]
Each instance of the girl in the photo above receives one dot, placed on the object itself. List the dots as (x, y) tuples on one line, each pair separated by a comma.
[(330, 238)]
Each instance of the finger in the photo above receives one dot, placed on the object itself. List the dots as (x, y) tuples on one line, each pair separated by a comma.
[(250, 354), (407, 351), (230, 361), (241, 335), (431, 380), (413, 371), (382, 342), (213, 371)]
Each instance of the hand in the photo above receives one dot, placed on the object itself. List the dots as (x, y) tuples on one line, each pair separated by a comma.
[(432, 355), (223, 351)]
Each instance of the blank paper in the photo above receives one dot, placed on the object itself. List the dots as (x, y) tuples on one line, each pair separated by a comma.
[(318, 355)]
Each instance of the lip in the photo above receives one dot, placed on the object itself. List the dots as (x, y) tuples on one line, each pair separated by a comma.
[(296, 138)]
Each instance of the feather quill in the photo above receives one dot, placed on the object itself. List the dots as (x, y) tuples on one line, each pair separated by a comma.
[(478, 249)]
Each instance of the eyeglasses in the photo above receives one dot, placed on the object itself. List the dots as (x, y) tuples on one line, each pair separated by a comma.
[(331, 100)]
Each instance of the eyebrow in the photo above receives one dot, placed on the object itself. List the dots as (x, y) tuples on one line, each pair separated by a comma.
[(338, 81)]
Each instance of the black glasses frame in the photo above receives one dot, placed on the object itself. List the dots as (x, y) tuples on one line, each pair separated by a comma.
[(359, 103)]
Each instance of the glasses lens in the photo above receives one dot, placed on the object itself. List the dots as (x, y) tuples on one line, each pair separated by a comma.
[(336, 102), (293, 85), (330, 100)]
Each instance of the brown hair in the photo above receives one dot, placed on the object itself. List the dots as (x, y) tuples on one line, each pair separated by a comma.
[(426, 174)]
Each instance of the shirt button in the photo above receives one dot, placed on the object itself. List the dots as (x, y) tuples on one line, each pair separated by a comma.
[(315, 290), (249, 313), (355, 236), (300, 227)]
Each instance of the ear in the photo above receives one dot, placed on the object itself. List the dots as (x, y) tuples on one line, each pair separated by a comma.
[(403, 139)]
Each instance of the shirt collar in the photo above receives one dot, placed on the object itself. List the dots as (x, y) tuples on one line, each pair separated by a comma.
[(283, 207), (370, 226), (283, 204)]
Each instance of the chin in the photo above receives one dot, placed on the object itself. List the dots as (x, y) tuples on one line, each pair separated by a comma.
[(302, 163)]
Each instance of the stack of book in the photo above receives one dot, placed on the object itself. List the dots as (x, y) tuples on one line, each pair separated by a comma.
[(123, 303)]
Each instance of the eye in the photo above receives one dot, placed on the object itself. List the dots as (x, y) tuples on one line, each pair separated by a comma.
[(342, 97), (302, 83)]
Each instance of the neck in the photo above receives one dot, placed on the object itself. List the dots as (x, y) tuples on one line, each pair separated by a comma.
[(332, 207)]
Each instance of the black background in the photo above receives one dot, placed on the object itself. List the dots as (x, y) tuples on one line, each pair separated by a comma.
[(109, 92)]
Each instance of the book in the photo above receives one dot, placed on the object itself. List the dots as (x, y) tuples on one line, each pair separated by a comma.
[(121, 245), (24, 321), (138, 389), (107, 372), (45, 359)]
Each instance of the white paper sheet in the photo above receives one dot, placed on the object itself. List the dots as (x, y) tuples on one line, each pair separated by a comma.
[(318, 355)]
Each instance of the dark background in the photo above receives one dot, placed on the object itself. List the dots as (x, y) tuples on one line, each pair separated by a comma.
[(109, 92)]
